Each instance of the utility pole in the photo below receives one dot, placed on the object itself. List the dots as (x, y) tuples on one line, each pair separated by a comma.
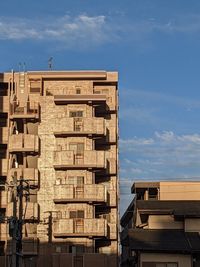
[(13, 223), (16, 221)]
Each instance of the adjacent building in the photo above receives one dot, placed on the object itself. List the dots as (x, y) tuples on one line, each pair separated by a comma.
[(161, 226), (59, 160)]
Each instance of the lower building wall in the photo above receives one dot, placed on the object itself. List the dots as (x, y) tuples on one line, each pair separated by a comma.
[(65, 260), (150, 259)]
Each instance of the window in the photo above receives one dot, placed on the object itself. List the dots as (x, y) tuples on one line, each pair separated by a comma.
[(75, 114), (76, 249), (78, 91), (76, 180), (35, 87), (74, 214), (97, 92), (80, 180), (78, 148), (153, 193)]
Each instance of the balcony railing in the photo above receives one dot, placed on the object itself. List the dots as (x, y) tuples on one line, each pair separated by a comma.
[(30, 110), (90, 98), (31, 210), (87, 159), (80, 126), (80, 227), (23, 143), (28, 174), (63, 98), (83, 193)]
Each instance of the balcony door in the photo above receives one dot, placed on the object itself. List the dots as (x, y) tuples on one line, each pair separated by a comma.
[(78, 120), (78, 220), (78, 149), (78, 185)]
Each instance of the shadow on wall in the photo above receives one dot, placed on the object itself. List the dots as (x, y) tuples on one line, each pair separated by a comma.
[(58, 254)]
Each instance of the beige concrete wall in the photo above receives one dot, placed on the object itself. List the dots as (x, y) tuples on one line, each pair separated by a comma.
[(182, 260), (164, 222), (192, 225), (179, 190)]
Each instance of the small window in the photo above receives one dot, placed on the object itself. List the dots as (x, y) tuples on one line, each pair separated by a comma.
[(80, 180), (76, 249), (153, 193), (75, 114), (78, 148), (73, 180), (78, 91), (35, 87), (80, 214), (74, 214)]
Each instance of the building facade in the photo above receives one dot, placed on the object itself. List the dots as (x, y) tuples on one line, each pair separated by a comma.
[(59, 168), (161, 226)]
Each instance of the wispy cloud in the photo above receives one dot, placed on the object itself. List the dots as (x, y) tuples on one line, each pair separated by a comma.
[(77, 30), (165, 155), (84, 29)]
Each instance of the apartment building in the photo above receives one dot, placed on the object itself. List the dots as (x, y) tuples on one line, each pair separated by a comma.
[(59, 168), (161, 226)]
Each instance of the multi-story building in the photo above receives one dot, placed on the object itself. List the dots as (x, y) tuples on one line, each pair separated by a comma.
[(161, 226), (59, 168)]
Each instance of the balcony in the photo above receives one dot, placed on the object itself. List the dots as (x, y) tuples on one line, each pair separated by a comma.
[(68, 159), (4, 106), (29, 111), (76, 99), (28, 174), (23, 143), (92, 193), (3, 167), (30, 209), (80, 126), (80, 227)]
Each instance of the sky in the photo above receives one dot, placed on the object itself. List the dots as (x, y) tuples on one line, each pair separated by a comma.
[(155, 47)]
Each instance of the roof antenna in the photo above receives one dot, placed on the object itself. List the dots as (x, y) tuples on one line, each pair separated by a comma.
[(20, 66), (24, 67), (50, 63)]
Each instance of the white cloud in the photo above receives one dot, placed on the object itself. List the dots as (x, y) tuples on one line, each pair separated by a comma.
[(137, 141), (166, 136), (77, 30), (84, 29), (166, 156)]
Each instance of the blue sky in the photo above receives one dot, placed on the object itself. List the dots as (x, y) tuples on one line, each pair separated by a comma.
[(155, 46)]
